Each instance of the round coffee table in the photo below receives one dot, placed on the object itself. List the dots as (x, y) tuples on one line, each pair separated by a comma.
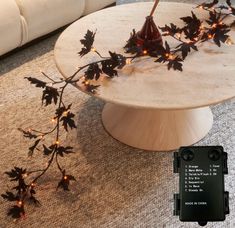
[(149, 107)]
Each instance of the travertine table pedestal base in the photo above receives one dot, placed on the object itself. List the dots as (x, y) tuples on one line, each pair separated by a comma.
[(157, 130)]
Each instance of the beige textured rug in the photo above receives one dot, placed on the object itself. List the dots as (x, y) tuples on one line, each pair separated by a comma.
[(117, 186)]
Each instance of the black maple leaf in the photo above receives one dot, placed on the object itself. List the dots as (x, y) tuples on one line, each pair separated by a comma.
[(33, 147), (93, 72), (16, 174), (61, 110), (170, 30), (108, 68), (16, 212), (118, 59), (64, 150), (50, 95), (65, 181), (87, 42), (192, 28), (220, 35), (48, 150), (10, 196), (68, 121), (185, 48), (175, 64), (218, 30), (38, 83)]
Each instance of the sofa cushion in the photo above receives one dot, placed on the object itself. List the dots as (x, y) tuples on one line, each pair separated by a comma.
[(93, 5), (44, 16), (10, 26)]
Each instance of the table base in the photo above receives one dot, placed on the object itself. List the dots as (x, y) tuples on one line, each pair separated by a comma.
[(156, 130)]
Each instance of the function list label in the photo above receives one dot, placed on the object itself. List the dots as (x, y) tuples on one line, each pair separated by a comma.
[(194, 180)]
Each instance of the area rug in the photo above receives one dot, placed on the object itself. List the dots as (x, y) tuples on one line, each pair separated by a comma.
[(117, 186)]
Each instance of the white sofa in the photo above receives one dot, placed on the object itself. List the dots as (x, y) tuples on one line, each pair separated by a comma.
[(22, 21)]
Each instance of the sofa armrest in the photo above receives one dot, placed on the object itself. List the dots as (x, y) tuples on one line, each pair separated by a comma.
[(45, 16), (10, 26), (92, 6)]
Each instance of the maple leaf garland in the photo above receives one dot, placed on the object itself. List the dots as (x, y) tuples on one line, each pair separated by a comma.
[(188, 37)]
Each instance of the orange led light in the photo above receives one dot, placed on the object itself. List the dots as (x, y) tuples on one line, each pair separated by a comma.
[(171, 57), (65, 177), (20, 203), (65, 113), (210, 36), (86, 82), (145, 52), (57, 142)]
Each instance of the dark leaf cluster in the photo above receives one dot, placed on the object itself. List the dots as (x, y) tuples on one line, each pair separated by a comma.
[(192, 28), (68, 121), (171, 30), (65, 181), (87, 43), (173, 61)]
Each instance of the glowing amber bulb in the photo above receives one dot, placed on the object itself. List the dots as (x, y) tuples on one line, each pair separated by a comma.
[(171, 57), (167, 55), (93, 49), (65, 113), (65, 177), (32, 184), (210, 36), (57, 142), (20, 203), (145, 52), (53, 120)]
